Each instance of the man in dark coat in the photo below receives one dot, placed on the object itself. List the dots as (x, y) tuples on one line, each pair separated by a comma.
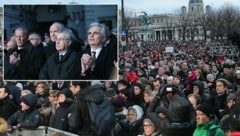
[(53, 30), (79, 110), (98, 59), (64, 64), (24, 61), (60, 120), (179, 114), (28, 116), (6, 105)]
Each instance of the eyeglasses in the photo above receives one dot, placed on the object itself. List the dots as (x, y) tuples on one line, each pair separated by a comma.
[(147, 125), (130, 114)]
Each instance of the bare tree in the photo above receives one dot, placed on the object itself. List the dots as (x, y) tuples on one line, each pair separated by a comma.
[(183, 22)]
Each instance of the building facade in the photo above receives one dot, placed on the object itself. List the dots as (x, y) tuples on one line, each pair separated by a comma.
[(38, 18), (187, 25)]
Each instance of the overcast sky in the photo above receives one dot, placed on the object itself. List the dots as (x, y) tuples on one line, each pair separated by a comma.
[(149, 6)]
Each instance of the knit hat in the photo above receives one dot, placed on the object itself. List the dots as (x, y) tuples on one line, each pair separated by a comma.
[(66, 92), (207, 110), (138, 110), (30, 100), (149, 121), (231, 96)]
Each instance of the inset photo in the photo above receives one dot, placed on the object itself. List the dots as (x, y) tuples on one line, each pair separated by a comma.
[(60, 42)]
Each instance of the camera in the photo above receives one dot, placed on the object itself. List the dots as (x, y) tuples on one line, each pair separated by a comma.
[(169, 89)]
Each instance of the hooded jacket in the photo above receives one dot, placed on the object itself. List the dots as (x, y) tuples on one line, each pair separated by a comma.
[(29, 118), (201, 89), (79, 111), (208, 129)]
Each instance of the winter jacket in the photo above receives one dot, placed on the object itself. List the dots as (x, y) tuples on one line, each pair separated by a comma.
[(7, 108), (130, 129), (208, 129), (29, 119), (67, 68), (235, 133), (29, 66), (180, 117), (79, 121), (61, 116)]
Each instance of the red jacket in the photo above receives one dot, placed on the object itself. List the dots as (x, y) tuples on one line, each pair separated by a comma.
[(132, 76), (236, 133)]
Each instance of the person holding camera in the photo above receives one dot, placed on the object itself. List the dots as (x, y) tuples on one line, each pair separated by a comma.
[(179, 114)]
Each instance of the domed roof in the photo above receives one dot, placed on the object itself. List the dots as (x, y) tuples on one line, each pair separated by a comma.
[(195, 1)]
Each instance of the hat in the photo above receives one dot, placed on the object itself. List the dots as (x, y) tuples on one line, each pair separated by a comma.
[(149, 121), (237, 71), (227, 66), (66, 92), (170, 78), (231, 96), (30, 100), (110, 92), (138, 110), (160, 110), (170, 89), (207, 110)]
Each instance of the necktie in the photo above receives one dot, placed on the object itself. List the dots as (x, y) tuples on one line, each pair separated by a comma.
[(93, 55), (61, 57)]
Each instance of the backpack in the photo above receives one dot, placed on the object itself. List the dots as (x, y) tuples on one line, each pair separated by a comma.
[(235, 117), (102, 117)]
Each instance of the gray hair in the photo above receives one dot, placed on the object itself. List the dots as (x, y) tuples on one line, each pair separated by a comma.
[(103, 29), (210, 76), (24, 30), (59, 25), (67, 33), (36, 34)]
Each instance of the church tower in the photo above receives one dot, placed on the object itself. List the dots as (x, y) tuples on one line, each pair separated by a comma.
[(195, 7)]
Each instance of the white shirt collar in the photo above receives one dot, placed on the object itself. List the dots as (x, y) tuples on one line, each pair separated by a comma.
[(98, 50)]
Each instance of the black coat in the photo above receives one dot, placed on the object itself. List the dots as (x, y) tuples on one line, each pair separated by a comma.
[(104, 62), (29, 119), (79, 121), (130, 129), (61, 116), (32, 60), (68, 68), (7, 108)]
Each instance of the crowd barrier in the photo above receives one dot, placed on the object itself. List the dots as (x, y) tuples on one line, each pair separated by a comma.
[(41, 131)]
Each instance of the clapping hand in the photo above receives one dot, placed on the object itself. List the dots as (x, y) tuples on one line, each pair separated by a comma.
[(14, 58), (86, 62)]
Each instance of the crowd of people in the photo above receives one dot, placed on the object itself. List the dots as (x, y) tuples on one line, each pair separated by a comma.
[(188, 92), (63, 56)]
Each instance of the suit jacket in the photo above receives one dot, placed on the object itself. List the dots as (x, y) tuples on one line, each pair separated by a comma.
[(32, 59), (104, 62), (68, 68)]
